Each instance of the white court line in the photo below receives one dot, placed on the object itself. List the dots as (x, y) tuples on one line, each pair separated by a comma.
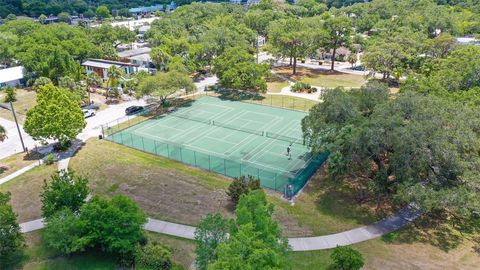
[(264, 146), (270, 123)]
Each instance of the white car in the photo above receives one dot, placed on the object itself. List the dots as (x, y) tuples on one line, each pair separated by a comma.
[(88, 113)]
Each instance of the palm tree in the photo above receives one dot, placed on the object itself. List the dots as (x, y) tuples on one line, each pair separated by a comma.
[(92, 80), (3, 134), (114, 74), (160, 57)]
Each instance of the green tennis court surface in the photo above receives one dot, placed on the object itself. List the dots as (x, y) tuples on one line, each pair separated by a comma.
[(230, 138)]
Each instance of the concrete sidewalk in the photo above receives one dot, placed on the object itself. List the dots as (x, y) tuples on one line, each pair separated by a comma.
[(399, 220)]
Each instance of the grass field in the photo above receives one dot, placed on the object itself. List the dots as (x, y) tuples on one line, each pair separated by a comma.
[(25, 100), (26, 190), (322, 78), (13, 163), (275, 85)]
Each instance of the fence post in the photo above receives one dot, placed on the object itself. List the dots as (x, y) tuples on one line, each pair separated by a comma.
[(209, 165), (271, 101), (275, 180), (121, 137), (195, 158), (143, 144), (168, 151), (181, 158), (240, 170), (293, 104), (258, 173), (131, 138), (283, 98), (155, 145)]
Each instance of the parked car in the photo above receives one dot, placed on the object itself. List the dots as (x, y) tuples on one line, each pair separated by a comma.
[(88, 113), (133, 109)]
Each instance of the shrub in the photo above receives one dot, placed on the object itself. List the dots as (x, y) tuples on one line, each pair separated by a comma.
[(49, 159), (242, 185), (303, 87), (10, 94), (346, 258), (153, 257)]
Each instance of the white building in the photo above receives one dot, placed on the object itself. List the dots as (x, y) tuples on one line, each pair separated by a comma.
[(12, 76)]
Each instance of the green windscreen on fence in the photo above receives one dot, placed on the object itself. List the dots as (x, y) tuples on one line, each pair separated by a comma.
[(229, 138)]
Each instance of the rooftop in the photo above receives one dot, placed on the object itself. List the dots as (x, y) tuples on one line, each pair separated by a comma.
[(100, 63), (134, 52), (11, 74)]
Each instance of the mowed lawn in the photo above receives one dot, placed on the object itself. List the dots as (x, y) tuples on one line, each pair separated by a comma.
[(26, 99), (13, 163), (275, 84), (26, 189), (322, 78)]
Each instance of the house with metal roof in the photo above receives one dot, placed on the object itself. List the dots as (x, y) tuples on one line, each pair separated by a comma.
[(12, 76), (101, 67)]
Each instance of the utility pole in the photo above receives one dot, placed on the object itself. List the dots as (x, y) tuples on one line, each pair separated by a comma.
[(18, 127)]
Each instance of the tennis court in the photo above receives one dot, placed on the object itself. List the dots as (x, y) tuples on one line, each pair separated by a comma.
[(231, 138)]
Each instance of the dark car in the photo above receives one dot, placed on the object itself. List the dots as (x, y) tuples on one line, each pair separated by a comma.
[(133, 109)]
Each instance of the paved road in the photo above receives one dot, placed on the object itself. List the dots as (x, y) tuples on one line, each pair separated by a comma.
[(12, 144)]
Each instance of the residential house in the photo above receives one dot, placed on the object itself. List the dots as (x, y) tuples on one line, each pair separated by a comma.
[(140, 57), (101, 67), (12, 76)]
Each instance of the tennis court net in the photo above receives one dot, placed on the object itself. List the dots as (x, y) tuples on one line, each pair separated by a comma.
[(283, 138), (193, 118), (252, 131)]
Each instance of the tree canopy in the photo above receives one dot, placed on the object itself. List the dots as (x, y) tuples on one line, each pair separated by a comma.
[(412, 148), (55, 116)]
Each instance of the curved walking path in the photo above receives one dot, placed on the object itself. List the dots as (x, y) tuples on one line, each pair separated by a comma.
[(377, 229)]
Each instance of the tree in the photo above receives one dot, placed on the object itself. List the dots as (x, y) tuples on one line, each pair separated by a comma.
[(163, 85), (92, 80), (63, 17), (242, 185), (8, 48), (40, 82), (62, 231), (55, 116), (256, 240), (291, 38), (11, 239), (440, 46), (153, 257), (114, 225), (114, 74), (352, 59), (10, 17), (346, 258), (212, 230), (385, 57), (338, 34), (3, 134), (42, 19), (160, 57), (102, 12), (413, 148), (10, 94), (64, 190)]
